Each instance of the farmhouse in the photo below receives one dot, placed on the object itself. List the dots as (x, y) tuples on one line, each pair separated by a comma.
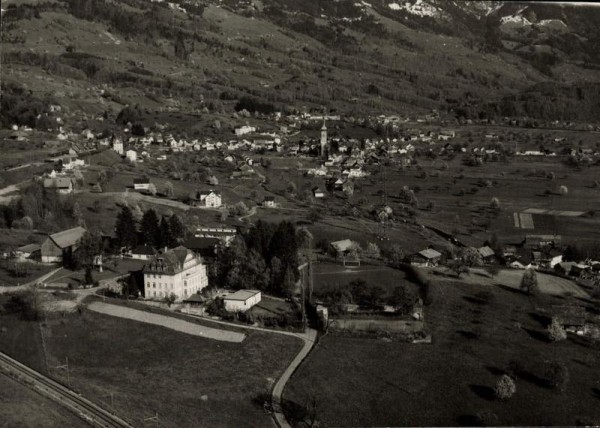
[(425, 258), (241, 300), (571, 317), (203, 198), (60, 245), (345, 250), (542, 241), (131, 155), (141, 184), (178, 271), (62, 185)]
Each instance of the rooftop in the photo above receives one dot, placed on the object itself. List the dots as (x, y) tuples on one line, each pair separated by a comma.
[(242, 295), (430, 253), (68, 237)]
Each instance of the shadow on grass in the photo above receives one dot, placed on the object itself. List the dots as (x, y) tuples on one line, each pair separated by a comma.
[(468, 334), (537, 335), (474, 300), (495, 370), (510, 289), (596, 392), (468, 421), (542, 319), (483, 391)]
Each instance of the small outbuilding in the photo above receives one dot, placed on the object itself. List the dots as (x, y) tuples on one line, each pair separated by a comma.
[(241, 300), (426, 258)]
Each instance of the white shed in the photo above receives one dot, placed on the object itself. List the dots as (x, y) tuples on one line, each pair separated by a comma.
[(241, 300)]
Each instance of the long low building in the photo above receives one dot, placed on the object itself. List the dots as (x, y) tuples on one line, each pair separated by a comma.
[(59, 245), (242, 300)]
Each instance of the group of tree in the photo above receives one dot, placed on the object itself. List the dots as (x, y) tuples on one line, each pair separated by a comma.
[(41, 208), (168, 231), (265, 257)]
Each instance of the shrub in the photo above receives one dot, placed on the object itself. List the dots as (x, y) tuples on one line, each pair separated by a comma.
[(486, 418), (556, 332), (505, 387), (556, 375)]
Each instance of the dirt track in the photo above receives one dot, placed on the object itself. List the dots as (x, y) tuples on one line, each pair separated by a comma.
[(167, 322)]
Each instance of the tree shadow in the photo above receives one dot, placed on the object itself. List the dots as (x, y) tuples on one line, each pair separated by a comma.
[(468, 334), (495, 370), (468, 421), (537, 335), (511, 289), (596, 392), (474, 300), (483, 391), (544, 320)]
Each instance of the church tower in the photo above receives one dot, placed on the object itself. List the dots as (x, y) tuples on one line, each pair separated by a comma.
[(324, 147)]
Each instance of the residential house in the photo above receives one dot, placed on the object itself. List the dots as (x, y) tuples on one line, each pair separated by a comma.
[(206, 198), (318, 193), (486, 253), (426, 258), (62, 185), (141, 184), (345, 251), (117, 146), (242, 130), (241, 300), (178, 271), (542, 241), (60, 245), (131, 155), (268, 202)]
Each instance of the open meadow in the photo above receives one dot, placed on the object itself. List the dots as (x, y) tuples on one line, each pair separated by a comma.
[(139, 369), (478, 334), (22, 407)]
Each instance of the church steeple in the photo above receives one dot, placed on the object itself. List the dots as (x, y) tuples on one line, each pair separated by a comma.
[(324, 147)]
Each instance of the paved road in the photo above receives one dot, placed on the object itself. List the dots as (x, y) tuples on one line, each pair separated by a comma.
[(82, 407), (167, 322), (309, 338)]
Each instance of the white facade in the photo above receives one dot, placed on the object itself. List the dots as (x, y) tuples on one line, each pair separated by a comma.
[(211, 199), (118, 147), (131, 155), (241, 300), (182, 283), (244, 130)]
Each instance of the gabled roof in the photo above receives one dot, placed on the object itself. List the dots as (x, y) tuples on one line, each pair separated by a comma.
[(343, 245), (485, 251), (170, 262), (430, 253), (141, 181), (198, 243), (57, 183), (68, 237), (29, 248), (269, 198)]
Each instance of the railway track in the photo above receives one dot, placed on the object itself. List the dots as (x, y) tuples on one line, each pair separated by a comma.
[(82, 407)]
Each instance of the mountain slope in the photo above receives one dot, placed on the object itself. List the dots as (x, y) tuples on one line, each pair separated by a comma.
[(356, 57)]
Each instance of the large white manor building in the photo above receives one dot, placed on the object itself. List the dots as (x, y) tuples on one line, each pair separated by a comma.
[(178, 271)]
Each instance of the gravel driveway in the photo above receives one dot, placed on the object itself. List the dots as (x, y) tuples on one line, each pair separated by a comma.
[(168, 322)]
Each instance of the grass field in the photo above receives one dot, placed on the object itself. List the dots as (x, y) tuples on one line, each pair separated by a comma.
[(511, 278), (22, 407), (386, 277), (370, 382), (189, 381)]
